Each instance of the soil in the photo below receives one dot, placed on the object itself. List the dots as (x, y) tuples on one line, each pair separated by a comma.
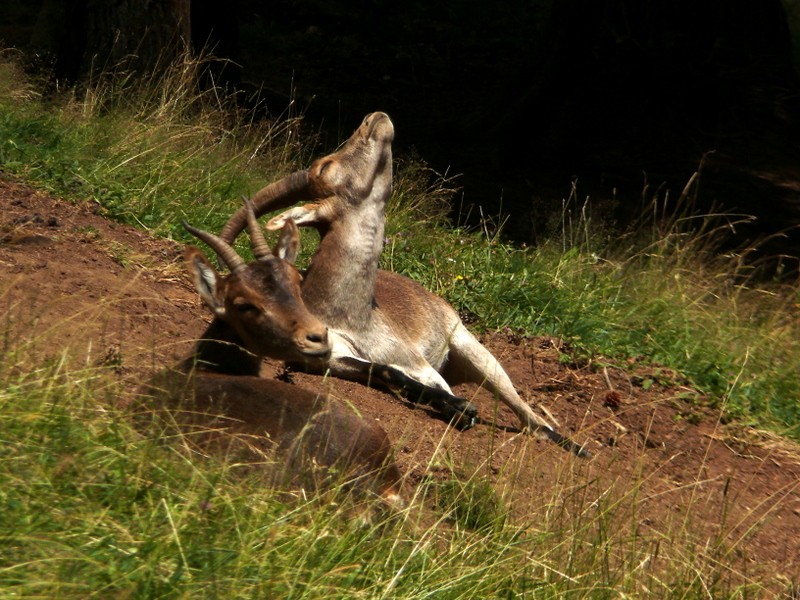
[(76, 284)]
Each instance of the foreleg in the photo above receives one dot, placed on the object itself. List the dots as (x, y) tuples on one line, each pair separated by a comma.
[(454, 408)]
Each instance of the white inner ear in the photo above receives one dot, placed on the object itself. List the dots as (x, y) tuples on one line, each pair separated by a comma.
[(288, 248), (302, 215), (205, 280)]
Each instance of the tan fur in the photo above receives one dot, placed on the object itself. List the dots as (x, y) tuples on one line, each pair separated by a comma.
[(376, 316)]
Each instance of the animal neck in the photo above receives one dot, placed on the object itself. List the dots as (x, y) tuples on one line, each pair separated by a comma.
[(339, 285), (220, 350)]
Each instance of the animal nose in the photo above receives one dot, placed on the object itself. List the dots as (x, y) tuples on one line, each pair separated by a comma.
[(318, 337), (316, 343)]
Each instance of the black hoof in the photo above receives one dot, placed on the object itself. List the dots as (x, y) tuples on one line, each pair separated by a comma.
[(568, 444), (466, 416)]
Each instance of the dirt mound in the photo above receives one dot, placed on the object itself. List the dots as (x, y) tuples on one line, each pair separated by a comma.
[(114, 295)]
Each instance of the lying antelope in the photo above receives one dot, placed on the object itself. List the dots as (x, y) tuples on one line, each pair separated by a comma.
[(258, 312), (377, 316)]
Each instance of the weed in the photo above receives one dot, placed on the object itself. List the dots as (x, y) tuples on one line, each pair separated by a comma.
[(469, 501)]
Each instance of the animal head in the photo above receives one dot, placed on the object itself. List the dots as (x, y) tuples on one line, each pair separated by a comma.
[(260, 300), (360, 168), (359, 172)]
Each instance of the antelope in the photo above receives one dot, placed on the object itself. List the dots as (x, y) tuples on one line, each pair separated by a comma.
[(258, 312), (377, 317)]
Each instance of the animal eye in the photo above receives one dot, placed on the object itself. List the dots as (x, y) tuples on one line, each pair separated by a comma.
[(245, 307), (324, 166)]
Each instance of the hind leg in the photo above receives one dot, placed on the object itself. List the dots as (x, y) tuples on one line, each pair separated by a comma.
[(469, 361)]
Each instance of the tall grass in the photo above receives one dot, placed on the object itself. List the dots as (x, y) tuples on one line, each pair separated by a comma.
[(150, 153), (93, 507), (661, 293), (155, 152)]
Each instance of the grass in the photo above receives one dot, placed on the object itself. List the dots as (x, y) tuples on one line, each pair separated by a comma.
[(93, 506), (666, 298), (149, 153)]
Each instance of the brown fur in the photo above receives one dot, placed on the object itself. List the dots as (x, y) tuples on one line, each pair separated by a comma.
[(217, 388), (254, 419)]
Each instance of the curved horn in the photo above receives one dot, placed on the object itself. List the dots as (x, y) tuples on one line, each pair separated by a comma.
[(279, 194), (258, 242), (232, 260)]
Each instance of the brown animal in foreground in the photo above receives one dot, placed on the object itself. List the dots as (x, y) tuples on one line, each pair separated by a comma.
[(258, 312), (377, 317)]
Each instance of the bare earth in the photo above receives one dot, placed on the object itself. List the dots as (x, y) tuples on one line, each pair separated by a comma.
[(114, 295)]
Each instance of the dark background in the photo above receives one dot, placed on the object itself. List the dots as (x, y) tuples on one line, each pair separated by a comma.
[(521, 98)]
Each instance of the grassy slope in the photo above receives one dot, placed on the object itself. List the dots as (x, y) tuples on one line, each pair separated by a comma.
[(91, 506), (160, 155)]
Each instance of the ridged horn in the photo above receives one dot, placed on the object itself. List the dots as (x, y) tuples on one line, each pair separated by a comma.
[(258, 242), (232, 260), (277, 195)]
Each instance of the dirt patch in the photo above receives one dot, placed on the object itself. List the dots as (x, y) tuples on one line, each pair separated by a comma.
[(110, 294)]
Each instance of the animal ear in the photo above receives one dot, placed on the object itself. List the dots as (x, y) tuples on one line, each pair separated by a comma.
[(206, 280), (288, 245), (309, 214), (327, 170)]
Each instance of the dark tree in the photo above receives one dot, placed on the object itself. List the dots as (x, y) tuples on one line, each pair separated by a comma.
[(215, 33), (90, 36), (656, 79)]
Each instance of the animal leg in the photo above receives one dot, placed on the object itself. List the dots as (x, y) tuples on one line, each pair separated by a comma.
[(308, 215), (470, 361), (458, 410), (461, 411)]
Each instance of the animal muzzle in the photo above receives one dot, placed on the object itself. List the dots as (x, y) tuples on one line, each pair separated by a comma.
[(380, 127), (312, 343)]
